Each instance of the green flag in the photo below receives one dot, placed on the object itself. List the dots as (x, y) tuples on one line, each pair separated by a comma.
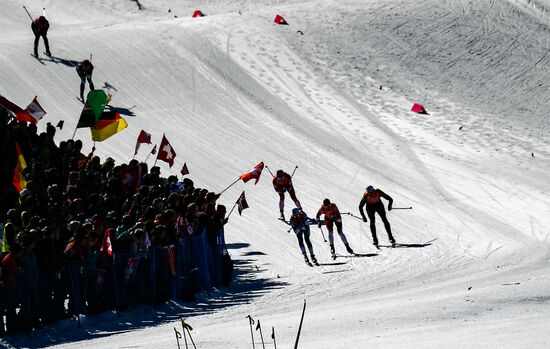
[(93, 108)]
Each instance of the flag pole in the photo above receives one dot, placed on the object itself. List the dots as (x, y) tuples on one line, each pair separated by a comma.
[(232, 184), (232, 208), (147, 158), (74, 133)]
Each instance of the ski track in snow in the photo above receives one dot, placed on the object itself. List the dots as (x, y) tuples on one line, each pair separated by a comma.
[(232, 89)]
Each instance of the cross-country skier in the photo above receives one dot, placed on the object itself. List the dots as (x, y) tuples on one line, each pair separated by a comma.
[(40, 28), (282, 182), (300, 223), (372, 200), (333, 217), (85, 70)]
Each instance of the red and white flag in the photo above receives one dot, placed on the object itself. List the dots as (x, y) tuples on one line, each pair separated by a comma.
[(170, 254), (106, 246), (241, 203), (184, 169), (35, 110), (166, 152), (143, 137), (254, 173)]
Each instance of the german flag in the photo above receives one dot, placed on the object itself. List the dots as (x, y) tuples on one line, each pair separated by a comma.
[(19, 181), (109, 124)]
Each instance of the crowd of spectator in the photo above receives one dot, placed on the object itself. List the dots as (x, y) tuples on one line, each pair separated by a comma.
[(88, 236)]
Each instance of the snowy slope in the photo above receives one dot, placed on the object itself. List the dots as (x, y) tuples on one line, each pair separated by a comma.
[(232, 89)]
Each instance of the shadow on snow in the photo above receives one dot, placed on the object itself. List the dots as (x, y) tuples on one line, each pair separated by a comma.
[(245, 288)]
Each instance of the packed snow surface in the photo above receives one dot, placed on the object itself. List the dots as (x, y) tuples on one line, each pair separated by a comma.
[(330, 93)]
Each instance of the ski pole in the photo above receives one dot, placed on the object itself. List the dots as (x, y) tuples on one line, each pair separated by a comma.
[(402, 208), (293, 171), (354, 216), (251, 322), (271, 173), (322, 234), (25, 7)]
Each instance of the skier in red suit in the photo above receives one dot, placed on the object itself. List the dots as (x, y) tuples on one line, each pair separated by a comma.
[(282, 183), (333, 217)]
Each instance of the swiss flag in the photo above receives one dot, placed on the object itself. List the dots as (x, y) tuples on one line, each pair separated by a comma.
[(106, 246), (254, 173), (166, 152)]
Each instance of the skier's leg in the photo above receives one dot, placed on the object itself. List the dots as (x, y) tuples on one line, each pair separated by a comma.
[(308, 243), (89, 78), (330, 233), (372, 219), (46, 44), (341, 233), (299, 235), (282, 203), (82, 85), (36, 38), (382, 213), (292, 194)]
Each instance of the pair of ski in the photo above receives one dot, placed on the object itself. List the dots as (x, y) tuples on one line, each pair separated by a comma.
[(45, 53), (393, 245), (312, 262)]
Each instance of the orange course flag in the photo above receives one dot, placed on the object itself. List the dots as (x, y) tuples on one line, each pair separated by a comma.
[(19, 181), (254, 173)]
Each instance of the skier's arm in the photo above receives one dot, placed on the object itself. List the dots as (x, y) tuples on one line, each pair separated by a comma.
[(336, 212), (361, 205), (387, 197)]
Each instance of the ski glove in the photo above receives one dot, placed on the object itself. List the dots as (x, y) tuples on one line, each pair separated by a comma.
[(389, 207), (365, 218), (319, 224)]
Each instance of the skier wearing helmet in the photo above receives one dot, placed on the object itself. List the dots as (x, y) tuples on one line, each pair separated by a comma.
[(372, 200), (333, 217), (282, 182), (300, 222)]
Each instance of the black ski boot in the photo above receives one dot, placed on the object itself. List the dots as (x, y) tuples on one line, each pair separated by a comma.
[(282, 216), (307, 260), (332, 252), (350, 251), (392, 241), (314, 260)]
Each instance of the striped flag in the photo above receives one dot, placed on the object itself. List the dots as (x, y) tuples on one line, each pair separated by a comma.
[(18, 178), (254, 173)]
